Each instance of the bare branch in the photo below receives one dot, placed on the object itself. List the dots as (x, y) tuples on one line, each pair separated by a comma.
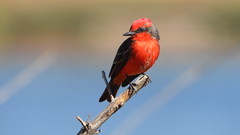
[(91, 128)]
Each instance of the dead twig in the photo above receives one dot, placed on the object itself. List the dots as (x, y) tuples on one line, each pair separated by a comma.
[(91, 128), (106, 82)]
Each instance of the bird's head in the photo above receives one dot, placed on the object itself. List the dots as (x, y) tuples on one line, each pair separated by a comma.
[(143, 25)]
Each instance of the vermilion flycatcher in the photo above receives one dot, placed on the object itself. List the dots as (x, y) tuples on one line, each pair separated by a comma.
[(135, 56)]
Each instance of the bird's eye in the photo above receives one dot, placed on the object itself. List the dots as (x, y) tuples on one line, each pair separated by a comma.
[(142, 29)]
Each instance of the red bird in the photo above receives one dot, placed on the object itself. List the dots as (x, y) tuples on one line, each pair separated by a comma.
[(135, 56)]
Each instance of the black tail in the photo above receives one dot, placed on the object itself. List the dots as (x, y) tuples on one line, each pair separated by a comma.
[(114, 88)]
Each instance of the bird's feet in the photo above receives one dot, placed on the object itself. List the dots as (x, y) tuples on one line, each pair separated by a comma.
[(111, 98), (147, 80), (132, 88)]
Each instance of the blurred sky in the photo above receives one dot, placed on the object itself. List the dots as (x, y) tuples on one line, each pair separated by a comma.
[(52, 54)]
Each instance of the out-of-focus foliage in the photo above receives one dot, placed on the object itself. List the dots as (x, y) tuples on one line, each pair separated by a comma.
[(226, 22), (78, 24), (73, 20)]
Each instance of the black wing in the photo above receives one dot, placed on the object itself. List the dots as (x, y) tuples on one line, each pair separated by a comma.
[(121, 58)]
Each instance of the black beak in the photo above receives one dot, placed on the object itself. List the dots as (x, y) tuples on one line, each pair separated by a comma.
[(129, 33)]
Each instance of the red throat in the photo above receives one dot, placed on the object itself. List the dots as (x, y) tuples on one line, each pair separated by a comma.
[(144, 36)]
